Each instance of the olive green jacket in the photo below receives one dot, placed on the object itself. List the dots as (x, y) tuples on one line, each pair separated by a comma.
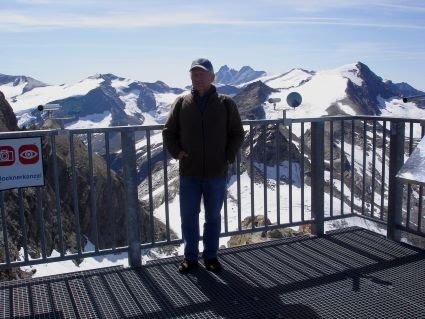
[(211, 138)]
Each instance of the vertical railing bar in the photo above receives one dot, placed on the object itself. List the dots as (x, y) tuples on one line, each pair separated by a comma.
[(384, 147), (23, 224), (93, 208), (277, 174), (251, 166), (225, 217), (57, 194), (128, 142), (342, 165), (317, 177), (238, 183), (331, 167), (395, 186), (75, 193), (352, 165), (421, 193), (166, 198), (420, 208), (372, 204), (40, 222), (4, 228), (290, 172), (112, 217), (302, 172), (364, 166), (409, 186), (264, 175), (225, 208), (149, 158)]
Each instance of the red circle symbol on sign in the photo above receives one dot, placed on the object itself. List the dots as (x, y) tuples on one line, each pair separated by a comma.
[(28, 154)]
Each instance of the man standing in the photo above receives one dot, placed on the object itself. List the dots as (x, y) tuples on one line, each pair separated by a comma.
[(204, 132)]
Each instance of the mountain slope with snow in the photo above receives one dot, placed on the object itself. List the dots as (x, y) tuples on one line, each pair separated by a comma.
[(14, 85), (350, 89), (99, 100)]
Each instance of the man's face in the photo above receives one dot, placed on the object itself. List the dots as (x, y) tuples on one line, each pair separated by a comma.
[(201, 79)]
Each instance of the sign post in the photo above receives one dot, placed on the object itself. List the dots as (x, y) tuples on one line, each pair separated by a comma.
[(21, 163)]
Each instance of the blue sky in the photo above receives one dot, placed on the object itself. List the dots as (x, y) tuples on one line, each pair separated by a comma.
[(64, 41)]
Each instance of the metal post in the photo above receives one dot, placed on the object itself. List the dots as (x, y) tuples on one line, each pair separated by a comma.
[(132, 202), (317, 178), (395, 187)]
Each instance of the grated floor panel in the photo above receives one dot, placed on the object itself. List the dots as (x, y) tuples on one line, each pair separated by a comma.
[(352, 273)]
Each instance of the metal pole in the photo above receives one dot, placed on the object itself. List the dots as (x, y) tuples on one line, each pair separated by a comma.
[(132, 202), (317, 178), (395, 187)]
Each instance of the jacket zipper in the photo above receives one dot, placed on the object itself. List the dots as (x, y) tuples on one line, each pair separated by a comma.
[(203, 146)]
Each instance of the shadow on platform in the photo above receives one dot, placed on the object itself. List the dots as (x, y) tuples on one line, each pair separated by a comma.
[(352, 273)]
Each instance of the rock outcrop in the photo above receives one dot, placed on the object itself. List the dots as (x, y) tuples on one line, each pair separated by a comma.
[(257, 237), (250, 100), (8, 120)]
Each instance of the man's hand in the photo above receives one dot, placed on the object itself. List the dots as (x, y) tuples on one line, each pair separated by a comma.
[(182, 154)]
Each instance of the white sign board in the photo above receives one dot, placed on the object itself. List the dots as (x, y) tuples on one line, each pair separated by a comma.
[(21, 163)]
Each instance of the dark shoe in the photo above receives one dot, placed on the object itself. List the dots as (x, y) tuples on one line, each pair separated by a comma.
[(213, 265), (187, 266)]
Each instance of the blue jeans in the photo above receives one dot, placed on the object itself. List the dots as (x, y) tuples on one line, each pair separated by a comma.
[(192, 189)]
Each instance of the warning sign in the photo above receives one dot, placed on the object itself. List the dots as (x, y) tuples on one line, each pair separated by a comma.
[(21, 163)]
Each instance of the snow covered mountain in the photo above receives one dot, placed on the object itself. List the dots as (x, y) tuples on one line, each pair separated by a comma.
[(13, 85), (351, 89), (99, 100), (109, 100)]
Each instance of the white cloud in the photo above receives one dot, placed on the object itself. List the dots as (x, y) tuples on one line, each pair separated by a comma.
[(22, 21), (325, 5)]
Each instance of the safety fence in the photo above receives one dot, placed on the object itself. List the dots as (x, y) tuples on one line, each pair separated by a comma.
[(117, 187)]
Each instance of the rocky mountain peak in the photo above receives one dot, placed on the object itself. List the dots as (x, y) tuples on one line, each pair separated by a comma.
[(246, 68), (365, 97), (28, 82), (225, 75), (228, 76), (161, 87), (251, 98), (107, 77), (8, 120)]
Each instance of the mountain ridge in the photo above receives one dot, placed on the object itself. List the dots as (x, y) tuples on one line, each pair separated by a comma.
[(228, 76), (122, 101)]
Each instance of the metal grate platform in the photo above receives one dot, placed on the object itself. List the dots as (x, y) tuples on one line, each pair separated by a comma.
[(346, 274)]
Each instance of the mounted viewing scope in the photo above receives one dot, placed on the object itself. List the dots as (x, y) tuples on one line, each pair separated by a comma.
[(414, 98), (274, 100), (49, 107)]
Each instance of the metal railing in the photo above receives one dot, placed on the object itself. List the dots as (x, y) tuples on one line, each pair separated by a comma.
[(117, 186)]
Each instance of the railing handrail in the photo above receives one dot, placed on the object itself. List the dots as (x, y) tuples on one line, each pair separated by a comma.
[(326, 118)]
